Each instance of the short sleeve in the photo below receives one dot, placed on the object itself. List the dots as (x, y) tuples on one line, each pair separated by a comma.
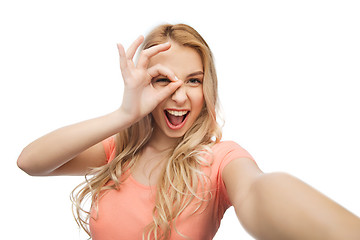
[(109, 148), (224, 153)]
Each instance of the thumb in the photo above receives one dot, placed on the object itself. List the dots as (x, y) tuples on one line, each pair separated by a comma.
[(169, 89)]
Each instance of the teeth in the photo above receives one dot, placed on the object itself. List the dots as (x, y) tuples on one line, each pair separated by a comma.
[(177, 113)]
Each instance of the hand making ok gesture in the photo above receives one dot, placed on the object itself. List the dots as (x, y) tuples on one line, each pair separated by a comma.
[(140, 96)]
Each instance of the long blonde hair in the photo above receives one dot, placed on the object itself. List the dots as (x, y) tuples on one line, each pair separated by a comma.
[(182, 175)]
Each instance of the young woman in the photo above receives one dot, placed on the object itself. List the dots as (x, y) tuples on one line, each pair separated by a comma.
[(158, 168)]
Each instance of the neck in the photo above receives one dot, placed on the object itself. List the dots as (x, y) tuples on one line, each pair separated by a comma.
[(160, 142)]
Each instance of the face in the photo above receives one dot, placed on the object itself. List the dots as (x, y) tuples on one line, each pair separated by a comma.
[(176, 114)]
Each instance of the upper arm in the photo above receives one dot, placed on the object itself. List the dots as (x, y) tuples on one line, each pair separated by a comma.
[(238, 177), (80, 165)]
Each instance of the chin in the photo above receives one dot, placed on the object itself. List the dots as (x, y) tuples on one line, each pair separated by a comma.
[(175, 134)]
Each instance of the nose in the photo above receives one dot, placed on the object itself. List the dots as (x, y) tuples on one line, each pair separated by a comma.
[(180, 96)]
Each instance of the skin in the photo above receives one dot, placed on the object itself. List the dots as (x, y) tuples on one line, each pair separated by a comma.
[(187, 65), (74, 149), (268, 205)]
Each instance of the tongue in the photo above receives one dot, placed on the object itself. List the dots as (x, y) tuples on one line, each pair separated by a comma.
[(175, 120)]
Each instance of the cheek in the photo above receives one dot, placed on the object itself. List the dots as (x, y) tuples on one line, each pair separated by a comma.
[(197, 100), (157, 113)]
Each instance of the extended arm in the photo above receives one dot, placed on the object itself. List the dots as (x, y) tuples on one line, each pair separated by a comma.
[(74, 149), (280, 206), (51, 154)]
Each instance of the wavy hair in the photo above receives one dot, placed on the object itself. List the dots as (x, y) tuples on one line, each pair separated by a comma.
[(181, 180)]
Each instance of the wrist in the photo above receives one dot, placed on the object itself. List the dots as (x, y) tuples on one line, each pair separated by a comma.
[(124, 119)]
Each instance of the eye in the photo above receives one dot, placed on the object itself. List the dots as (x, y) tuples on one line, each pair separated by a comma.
[(161, 81), (194, 82)]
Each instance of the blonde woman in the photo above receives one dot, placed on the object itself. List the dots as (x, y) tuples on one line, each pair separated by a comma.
[(156, 169)]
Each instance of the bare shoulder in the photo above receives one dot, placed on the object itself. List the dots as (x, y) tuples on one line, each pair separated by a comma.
[(238, 177)]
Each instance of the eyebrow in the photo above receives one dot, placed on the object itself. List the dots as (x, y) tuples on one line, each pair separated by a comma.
[(195, 74)]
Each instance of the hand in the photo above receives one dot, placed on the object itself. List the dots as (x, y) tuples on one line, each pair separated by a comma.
[(140, 97)]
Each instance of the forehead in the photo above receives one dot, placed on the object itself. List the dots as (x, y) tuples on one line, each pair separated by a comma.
[(181, 60)]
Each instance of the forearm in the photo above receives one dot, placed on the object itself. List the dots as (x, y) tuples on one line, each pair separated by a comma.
[(280, 206), (58, 147)]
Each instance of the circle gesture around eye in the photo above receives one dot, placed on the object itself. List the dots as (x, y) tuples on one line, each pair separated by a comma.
[(140, 97)]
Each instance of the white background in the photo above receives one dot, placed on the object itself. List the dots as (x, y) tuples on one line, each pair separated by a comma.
[(288, 83)]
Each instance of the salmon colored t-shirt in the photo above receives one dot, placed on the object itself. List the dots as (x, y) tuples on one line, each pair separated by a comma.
[(123, 213)]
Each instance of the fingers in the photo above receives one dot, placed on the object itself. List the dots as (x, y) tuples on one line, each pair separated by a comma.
[(145, 55), (123, 60), (130, 53), (150, 52), (166, 91), (159, 70)]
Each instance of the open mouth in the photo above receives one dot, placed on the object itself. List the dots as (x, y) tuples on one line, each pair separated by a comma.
[(175, 118)]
